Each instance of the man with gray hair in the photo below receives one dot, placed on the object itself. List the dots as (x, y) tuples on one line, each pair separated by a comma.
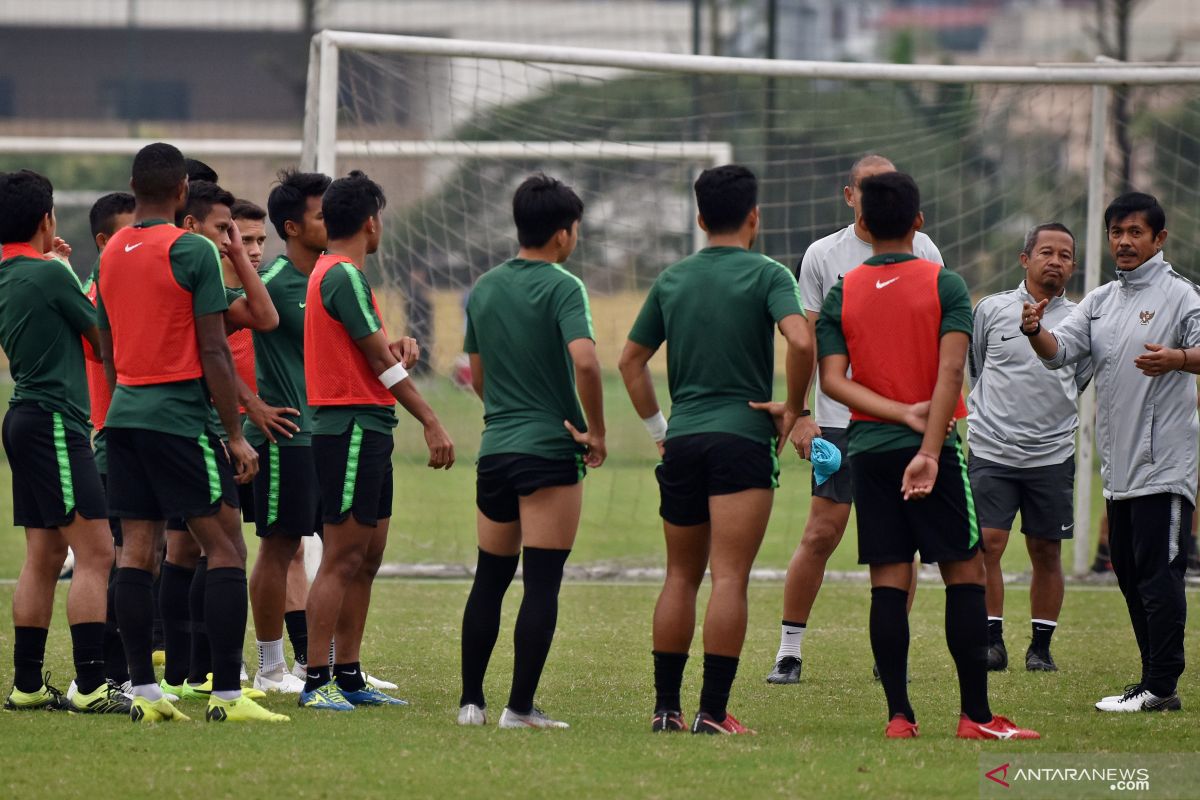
[(1142, 332), (1022, 452)]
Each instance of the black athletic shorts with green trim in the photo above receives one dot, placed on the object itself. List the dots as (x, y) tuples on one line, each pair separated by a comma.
[(285, 492), (1045, 496), (503, 478), (354, 471), (53, 469), (702, 465), (941, 527), (156, 475)]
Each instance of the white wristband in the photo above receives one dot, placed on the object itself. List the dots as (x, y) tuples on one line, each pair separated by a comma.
[(656, 426), (393, 375)]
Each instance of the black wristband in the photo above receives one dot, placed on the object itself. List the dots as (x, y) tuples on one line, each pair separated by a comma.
[(1035, 331), (805, 413)]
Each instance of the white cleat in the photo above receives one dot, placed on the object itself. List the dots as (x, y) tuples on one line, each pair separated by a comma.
[(379, 683), (243, 676), (300, 670), (282, 681), (1139, 699), (471, 714), (534, 719)]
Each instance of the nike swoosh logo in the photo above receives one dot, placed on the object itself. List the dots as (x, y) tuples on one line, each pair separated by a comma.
[(791, 633), (998, 734), (841, 276), (1006, 338), (303, 304), (350, 672), (1068, 527), (1095, 317), (881, 284), (129, 248)]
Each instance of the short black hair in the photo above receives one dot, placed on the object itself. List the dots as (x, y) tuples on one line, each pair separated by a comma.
[(202, 196), (25, 199), (197, 170), (289, 199), (244, 209), (349, 202), (725, 196), (1134, 203), (158, 169), (891, 202), (102, 217), (543, 206), (1032, 237)]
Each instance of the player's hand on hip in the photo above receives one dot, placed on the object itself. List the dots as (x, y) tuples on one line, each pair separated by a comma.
[(271, 420), (780, 417), (406, 351), (597, 450), (919, 476), (244, 458), (917, 416), (441, 449), (1159, 360), (1031, 314)]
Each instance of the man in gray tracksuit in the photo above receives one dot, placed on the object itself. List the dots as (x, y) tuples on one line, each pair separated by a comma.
[(1142, 332), (1022, 435)]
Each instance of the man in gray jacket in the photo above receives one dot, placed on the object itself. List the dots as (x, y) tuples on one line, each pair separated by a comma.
[(1022, 432), (1142, 332)]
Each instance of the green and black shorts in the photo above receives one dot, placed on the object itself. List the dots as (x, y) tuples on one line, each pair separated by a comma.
[(53, 471), (155, 475), (285, 491), (354, 473)]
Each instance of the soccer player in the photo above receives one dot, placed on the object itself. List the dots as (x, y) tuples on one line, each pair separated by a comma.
[(57, 495), (901, 324), (285, 489), (251, 221), (715, 310), (1022, 425), (108, 215), (531, 343), (353, 378), (1147, 321), (825, 262), (160, 309)]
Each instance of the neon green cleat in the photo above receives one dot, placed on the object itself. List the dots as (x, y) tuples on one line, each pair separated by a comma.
[(159, 657), (159, 710), (104, 699), (242, 709), (47, 698), (185, 691)]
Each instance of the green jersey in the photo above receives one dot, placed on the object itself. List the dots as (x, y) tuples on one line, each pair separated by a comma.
[(279, 354), (43, 310), (520, 318), (179, 407), (346, 296), (717, 311)]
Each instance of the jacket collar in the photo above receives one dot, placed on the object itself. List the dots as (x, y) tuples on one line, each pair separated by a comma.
[(1146, 274), (1024, 293)]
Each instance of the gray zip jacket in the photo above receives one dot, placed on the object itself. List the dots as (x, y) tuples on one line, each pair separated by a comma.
[(1146, 427), (1021, 414)]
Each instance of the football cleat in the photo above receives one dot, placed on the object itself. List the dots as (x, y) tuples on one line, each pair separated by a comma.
[(300, 670), (282, 681), (534, 719), (998, 728), (325, 698), (379, 683), (185, 690), (667, 721), (900, 728), (370, 696), (125, 688), (1129, 688), (704, 723), (46, 698), (787, 670), (104, 699), (1040, 662), (159, 657), (241, 709), (1139, 699), (160, 710), (471, 714), (997, 656)]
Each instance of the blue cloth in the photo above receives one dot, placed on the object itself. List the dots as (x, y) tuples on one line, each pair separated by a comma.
[(826, 460)]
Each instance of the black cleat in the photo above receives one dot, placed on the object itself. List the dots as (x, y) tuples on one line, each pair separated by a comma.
[(787, 670), (1040, 662), (997, 656), (666, 721)]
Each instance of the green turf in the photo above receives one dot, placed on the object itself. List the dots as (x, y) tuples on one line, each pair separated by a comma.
[(821, 739)]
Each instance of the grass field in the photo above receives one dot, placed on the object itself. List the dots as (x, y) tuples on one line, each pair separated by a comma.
[(821, 739)]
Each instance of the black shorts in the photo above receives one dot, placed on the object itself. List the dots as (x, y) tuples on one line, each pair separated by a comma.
[(53, 470), (1045, 496), (285, 491), (246, 499), (697, 467), (354, 471), (156, 475), (114, 523), (503, 478), (839, 487), (942, 526)]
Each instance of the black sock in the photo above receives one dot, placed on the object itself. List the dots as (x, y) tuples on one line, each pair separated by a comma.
[(115, 668), (156, 629), (174, 590), (966, 636), (225, 604), (481, 621), (995, 630), (349, 677), (1041, 637), (318, 676), (296, 623), (536, 620), (201, 661), (29, 653), (135, 616), (668, 677), (87, 650), (719, 672), (889, 644)]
